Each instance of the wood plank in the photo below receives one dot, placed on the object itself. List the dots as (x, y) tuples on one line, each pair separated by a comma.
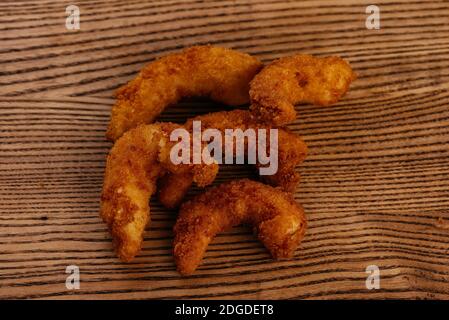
[(375, 186)]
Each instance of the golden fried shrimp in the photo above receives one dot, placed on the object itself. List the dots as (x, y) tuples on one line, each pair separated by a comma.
[(134, 164), (296, 79), (275, 216), (291, 152), (219, 73), (173, 188)]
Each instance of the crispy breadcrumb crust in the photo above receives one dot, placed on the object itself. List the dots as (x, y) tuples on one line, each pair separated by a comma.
[(291, 152), (219, 73), (300, 78), (133, 166), (277, 219)]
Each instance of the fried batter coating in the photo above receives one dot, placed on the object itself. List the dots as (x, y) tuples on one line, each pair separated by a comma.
[(219, 73), (276, 218), (134, 164), (300, 78), (173, 188), (291, 152)]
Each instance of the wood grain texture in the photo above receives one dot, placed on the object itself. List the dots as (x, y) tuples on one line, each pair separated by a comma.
[(375, 186)]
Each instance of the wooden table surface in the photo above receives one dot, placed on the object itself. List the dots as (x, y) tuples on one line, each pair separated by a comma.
[(375, 186)]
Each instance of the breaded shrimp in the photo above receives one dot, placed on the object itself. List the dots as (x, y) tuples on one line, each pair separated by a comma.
[(291, 152), (275, 216), (134, 164), (295, 79), (219, 73)]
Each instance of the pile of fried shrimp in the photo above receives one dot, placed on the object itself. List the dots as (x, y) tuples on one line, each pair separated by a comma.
[(139, 165)]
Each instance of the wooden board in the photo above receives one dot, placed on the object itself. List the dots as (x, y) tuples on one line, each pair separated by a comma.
[(375, 186)]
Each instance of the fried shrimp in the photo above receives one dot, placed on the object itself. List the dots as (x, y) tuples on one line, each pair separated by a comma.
[(134, 164), (219, 73), (275, 216), (291, 152), (296, 79)]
